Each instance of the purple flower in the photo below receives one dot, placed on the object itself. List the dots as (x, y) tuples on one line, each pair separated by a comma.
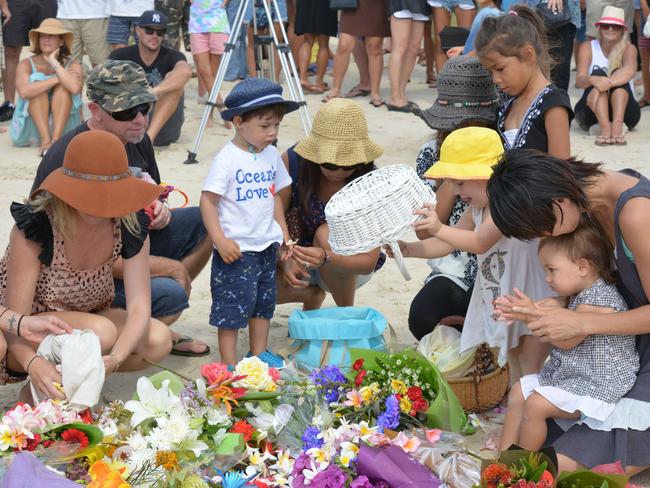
[(332, 477), (390, 418), (363, 482), (302, 462), (310, 438), (329, 378)]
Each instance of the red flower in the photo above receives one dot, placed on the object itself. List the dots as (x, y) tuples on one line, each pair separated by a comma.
[(86, 416), (274, 374), (414, 393), (32, 444), (496, 473), (244, 428), (74, 435), (420, 405), (360, 376), (358, 364), (546, 479), (48, 443)]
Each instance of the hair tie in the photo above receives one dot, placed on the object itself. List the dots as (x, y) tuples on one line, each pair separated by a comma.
[(512, 12)]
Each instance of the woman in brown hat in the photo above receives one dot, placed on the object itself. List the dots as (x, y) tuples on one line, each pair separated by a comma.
[(82, 221), (49, 85), (336, 151)]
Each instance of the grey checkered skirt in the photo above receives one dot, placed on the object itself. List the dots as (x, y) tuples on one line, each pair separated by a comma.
[(603, 367)]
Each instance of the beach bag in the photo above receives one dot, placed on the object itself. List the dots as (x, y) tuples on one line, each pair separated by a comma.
[(343, 4), (325, 336), (554, 19)]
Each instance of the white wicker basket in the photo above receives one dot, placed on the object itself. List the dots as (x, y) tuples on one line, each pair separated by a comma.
[(376, 209)]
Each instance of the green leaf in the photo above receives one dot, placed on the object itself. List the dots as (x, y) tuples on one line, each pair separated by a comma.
[(583, 478), (232, 443), (258, 396)]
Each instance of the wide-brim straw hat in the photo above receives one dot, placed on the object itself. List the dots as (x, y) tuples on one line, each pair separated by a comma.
[(612, 16), (99, 183), (53, 27), (468, 154), (339, 135), (465, 91)]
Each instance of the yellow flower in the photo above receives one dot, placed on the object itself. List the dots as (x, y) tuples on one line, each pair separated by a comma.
[(405, 404), (168, 460), (366, 394), (374, 387), (398, 387), (256, 375)]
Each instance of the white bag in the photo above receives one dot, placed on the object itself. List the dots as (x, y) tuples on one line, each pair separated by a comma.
[(646, 28), (442, 347)]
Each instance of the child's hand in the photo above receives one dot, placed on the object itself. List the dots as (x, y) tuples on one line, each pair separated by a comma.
[(228, 250), (431, 223), (286, 249), (504, 305), (403, 247)]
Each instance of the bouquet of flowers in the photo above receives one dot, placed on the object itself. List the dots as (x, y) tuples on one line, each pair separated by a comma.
[(521, 469)]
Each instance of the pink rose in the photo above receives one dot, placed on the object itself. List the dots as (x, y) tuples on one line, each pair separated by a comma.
[(214, 372)]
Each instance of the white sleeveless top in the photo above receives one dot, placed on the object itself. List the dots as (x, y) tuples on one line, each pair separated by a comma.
[(599, 60), (508, 264)]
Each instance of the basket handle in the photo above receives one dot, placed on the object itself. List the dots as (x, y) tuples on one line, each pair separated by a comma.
[(399, 259)]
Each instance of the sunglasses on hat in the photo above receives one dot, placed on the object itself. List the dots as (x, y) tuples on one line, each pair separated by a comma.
[(131, 113), (334, 167), (151, 31)]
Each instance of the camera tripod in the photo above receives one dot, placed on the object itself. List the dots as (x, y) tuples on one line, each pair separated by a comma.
[(286, 61)]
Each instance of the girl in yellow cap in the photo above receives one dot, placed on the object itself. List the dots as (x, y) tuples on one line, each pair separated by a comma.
[(466, 159)]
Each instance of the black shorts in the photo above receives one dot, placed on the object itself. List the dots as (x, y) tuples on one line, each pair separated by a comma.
[(25, 16)]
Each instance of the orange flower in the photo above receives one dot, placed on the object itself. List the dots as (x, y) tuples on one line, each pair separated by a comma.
[(225, 394), (168, 460), (104, 477)]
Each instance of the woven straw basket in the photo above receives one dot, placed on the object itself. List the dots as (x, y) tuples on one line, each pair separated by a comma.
[(478, 393), (376, 209)]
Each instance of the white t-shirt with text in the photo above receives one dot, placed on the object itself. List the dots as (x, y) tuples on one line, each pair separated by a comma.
[(247, 184)]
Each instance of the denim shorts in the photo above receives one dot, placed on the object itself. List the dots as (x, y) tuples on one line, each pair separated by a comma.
[(450, 5), (261, 13), (178, 239), (244, 289), (119, 29)]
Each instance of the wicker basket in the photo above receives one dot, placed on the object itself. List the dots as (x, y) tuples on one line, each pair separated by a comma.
[(376, 209), (478, 393)]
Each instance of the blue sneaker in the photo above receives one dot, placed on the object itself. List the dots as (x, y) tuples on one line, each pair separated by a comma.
[(273, 360), (231, 368)]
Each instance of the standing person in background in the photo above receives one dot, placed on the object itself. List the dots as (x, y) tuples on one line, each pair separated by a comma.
[(407, 18), (644, 52), (176, 17), (237, 67), (366, 28), (315, 21), (442, 10), (88, 22), (19, 17), (123, 20)]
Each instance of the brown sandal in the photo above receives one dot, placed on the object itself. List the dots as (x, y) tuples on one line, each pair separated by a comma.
[(603, 141)]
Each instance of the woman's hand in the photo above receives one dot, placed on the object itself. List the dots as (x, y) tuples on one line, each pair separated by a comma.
[(431, 223), (34, 328), (601, 83), (52, 59), (403, 247), (455, 51), (295, 275), (45, 378), (111, 364), (555, 5), (553, 323), (313, 257)]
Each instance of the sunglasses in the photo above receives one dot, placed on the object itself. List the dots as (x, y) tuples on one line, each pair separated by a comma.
[(150, 32), (613, 27), (131, 113), (334, 167)]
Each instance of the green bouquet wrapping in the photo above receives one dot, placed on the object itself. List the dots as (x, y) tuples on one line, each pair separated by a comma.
[(444, 410), (584, 478)]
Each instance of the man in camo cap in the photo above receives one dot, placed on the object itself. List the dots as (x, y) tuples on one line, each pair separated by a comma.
[(120, 100)]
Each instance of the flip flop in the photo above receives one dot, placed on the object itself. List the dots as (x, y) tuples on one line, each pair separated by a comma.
[(312, 89), (644, 103), (619, 141), (395, 108), (355, 92), (377, 102), (181, 352), (603, 141)]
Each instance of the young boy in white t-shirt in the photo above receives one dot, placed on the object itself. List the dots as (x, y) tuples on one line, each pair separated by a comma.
[(245, 219)]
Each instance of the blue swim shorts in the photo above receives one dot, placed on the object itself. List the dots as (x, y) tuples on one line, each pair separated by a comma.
[(244, 289)]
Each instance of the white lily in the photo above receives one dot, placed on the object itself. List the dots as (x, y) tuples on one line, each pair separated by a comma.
[(276, 421), (191, 443), (153, 403)]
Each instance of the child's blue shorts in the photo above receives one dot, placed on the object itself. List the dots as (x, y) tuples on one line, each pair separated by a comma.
[(244, 289)]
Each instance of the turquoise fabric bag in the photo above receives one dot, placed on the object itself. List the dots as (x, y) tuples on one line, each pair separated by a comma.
[(325, 336)]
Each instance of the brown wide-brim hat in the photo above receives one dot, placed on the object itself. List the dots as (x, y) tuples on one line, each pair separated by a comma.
[(99, 183), (53, 27), (339, 136)]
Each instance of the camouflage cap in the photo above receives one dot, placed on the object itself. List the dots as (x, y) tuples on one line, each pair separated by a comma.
[(117, 85)]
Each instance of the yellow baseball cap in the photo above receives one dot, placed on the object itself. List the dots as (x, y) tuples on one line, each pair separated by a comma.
[(468, 154)]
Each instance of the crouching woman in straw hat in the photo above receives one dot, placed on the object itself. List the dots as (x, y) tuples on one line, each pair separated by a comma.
[(337, 151), (61, 254), (49, 85)]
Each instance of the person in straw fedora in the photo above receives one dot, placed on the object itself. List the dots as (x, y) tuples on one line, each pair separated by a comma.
[(606, 70), (49, 85), (336, 151), (61, 253)]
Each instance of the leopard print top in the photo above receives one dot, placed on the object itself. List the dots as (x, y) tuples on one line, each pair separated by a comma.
[(60, 287)]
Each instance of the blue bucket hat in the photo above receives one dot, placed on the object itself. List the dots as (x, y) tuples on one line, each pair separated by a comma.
[(254, 93)]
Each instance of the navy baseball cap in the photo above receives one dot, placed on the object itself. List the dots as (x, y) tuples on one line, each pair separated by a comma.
[(254, 93), (153, 18)]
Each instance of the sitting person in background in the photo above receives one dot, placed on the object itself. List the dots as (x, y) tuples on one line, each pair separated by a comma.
[(167, 73), (606, 70), (49, 85), (487, 8)]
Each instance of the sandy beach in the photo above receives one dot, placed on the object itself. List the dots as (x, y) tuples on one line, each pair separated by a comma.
[(400, 134)]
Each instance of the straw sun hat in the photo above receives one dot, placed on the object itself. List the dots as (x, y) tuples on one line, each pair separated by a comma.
[(99, 183), (468, 154), (612, 16), (53, 27), (339, 136)]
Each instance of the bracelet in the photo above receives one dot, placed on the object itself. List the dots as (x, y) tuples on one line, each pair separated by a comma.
[(31, 361), (18, 328), (326, 258)]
